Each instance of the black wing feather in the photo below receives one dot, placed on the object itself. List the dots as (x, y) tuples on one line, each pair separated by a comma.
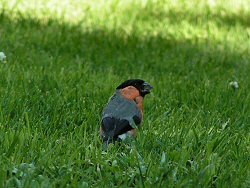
[(114, 127)]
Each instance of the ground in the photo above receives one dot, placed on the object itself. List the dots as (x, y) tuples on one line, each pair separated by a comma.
[(64, 61)]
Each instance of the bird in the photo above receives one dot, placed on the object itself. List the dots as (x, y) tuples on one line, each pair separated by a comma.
[(123, 114)]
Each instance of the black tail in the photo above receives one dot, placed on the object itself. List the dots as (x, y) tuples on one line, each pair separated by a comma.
[(112, 128)]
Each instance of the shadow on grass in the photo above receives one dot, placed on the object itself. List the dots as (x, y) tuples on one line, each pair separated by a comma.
[(53, 46), (46, 43)]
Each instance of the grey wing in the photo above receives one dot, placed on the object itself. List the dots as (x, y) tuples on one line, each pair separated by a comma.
[(123, 109)]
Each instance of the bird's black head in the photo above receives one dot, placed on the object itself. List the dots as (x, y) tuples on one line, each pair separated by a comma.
[(143, 87)]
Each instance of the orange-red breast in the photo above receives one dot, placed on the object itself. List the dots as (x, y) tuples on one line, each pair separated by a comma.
[(124, 111)]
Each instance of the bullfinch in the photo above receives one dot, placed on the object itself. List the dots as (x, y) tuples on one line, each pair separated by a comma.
[(124, 112)]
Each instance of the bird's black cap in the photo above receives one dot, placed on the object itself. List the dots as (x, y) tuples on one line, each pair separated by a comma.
[(143, 87)]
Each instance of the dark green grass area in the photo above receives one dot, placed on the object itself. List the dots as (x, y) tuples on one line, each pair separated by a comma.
[(59, 76)]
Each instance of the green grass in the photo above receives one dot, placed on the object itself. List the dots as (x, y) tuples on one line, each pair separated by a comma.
[(64, 62)]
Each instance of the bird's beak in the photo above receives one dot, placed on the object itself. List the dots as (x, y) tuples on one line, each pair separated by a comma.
[(147, 88)]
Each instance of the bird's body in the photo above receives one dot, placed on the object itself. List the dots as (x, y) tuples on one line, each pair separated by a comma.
[(124, 112)]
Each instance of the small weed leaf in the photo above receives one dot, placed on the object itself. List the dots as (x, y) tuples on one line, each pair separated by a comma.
[(163, 158), (224, 125)]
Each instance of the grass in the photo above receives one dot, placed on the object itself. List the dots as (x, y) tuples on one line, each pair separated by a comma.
[(64, 62)]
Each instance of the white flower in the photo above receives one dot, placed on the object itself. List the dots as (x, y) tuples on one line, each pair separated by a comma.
[(2, 57), (234, 84)]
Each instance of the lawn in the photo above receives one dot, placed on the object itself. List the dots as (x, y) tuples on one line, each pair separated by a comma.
[(64, 61)]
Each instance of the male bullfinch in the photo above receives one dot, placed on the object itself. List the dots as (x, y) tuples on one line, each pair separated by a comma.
[(124, 111)]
